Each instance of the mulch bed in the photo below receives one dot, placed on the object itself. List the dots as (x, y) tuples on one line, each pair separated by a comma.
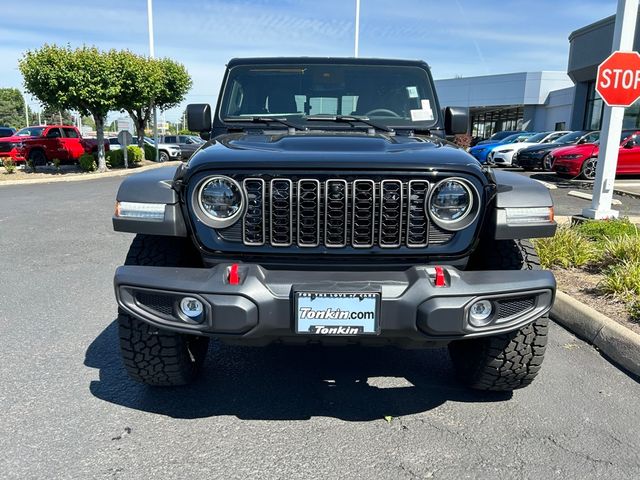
[(50, 171), (583, 286)]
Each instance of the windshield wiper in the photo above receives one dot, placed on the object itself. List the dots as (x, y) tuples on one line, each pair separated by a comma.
[(347, 119), (267, 120)]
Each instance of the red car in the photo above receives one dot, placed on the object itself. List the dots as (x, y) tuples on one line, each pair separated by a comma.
[(580, 160), (42, 144)]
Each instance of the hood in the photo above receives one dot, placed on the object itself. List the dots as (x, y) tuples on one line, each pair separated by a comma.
[(545, 147), (332, 151), (585, 149)]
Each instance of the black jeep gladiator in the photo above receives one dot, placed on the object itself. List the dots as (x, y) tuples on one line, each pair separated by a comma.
[(328, 207)]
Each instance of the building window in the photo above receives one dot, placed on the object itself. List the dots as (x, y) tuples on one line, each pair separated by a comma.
[(487, 121), (560, 126), (595, 110)]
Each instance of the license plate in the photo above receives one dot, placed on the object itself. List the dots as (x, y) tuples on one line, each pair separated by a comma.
[(321, 313)]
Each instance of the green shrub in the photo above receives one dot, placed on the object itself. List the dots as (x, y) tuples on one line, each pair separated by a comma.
[(568, 248), (619, 249), (607, 229), (134, 154), (87, 162), (56, 163), (9, 165), (149, 152), (115, 158), (622, 280)]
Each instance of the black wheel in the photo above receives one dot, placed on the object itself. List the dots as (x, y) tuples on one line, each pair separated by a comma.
[(163, 156), (547, 163), (588, 169), (511, 360), (37, 158), (152, 355)]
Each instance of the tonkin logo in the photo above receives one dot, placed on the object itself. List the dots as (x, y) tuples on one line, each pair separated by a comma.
[(321, 330)]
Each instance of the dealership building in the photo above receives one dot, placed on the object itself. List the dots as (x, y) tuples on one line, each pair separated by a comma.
[(544, 100)]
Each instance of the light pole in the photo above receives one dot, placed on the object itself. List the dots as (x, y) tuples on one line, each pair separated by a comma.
[(152, 55), (26, 110), (357, 33)]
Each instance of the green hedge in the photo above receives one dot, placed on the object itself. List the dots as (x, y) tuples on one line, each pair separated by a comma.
[(115, 158), (149, 152), (87, 162)]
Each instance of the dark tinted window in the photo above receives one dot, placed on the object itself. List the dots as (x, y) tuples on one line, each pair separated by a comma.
[(70, 133), (114, 141), (6, 132), (170, 140), (54, 133)]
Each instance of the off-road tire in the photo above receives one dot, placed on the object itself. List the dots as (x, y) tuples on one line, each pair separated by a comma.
[(511, 360), (152, 355)]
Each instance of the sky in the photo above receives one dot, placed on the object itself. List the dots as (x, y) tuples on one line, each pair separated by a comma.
[(456, 37)]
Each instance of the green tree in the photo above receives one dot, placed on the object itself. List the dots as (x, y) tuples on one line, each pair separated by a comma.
[(145, 82), (11, 108), (52, 115), (85, 79)]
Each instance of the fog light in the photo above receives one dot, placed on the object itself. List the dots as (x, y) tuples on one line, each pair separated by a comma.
[(480, 313), (191, 307)]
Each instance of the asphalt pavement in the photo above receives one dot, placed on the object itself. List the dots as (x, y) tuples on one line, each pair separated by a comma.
[(67, 409)]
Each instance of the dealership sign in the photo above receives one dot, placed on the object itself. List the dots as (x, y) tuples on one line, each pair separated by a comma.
[(618, 80)]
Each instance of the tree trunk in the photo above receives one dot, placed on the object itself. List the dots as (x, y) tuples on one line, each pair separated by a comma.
[(102, 162), (139, 121)]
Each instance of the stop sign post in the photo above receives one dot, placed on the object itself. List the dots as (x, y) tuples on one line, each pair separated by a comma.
[(618, 83)]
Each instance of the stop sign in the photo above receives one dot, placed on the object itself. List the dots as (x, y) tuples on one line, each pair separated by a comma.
[(618, 80)]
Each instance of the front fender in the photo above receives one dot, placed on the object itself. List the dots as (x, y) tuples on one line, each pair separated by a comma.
[(152, 188), (514, 191)]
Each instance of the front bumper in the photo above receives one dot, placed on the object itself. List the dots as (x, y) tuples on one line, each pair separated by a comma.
[(259, 310), (502, 158), (568, 167), (529, 161)]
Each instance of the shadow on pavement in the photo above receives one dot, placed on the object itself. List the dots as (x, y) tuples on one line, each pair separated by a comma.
[(290, 383)]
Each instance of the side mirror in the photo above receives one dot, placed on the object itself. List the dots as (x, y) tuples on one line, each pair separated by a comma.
[(629, 144), (456, 120), (199, 117)]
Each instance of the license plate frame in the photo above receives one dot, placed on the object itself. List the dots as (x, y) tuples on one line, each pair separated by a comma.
[(339, 306)]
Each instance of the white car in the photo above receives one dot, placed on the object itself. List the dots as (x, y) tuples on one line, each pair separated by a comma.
[(504, 154)]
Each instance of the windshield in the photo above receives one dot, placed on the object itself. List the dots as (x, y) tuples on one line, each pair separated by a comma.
[(397, 96), (537, 138), (516, 137), (570, 137), (30, 132), (501, 135)]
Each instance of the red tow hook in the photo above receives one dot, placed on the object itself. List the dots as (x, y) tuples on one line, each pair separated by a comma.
[(440, 280), (234, 275)]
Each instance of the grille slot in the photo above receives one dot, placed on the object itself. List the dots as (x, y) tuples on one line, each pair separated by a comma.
[(253, 222), (363, 213), (417, 219), (336, 212), (390, 226), (281, 212), (308, 213), (513, 306)]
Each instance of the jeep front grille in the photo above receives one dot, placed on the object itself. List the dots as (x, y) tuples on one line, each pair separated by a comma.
[(334, 213)]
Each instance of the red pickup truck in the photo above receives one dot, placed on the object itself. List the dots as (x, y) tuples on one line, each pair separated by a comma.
[(42, 144)]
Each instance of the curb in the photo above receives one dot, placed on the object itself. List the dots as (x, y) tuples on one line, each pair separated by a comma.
[(628, 193), (88, 176), (617, 342)]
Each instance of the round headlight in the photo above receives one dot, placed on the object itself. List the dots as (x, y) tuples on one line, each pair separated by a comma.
[(451, 201), (221, 200)]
